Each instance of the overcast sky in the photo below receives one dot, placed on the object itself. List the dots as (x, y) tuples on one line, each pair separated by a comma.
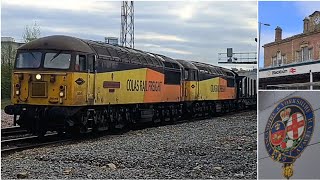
[(288, 15), (188, 30)]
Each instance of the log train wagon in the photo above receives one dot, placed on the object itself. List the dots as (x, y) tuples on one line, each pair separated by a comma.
[(62, 83)]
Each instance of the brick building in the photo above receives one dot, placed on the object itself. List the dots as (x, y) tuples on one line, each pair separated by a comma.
[(297, 48), (293, 56)]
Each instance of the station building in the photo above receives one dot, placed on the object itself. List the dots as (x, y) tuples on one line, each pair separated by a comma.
[(293, 62)]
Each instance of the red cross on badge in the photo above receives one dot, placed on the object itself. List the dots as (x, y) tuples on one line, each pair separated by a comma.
[(295, 126)]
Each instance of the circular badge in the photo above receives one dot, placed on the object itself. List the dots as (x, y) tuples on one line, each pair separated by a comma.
[(289, 129)]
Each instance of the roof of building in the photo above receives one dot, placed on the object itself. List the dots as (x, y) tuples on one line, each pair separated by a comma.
[(292, 37), (7, 39), (314, 13), (295, 36)]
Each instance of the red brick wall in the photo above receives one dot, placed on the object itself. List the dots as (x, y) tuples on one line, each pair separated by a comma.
[(290, 47)]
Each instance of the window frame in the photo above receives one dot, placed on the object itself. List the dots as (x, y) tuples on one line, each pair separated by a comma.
[(40, 64), (77, 58)]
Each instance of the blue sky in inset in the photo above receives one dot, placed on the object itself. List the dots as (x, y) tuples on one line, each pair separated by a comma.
[(288, 15)]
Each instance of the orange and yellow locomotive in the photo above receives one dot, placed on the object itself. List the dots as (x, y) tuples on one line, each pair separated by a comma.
[(62, 83)]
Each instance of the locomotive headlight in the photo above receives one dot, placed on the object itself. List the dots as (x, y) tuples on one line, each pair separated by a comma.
[(61, 94), (38, 76), (17, 92)]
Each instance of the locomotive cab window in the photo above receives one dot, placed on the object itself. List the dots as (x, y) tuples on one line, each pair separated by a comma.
[(81, 63), (84, 64), (28, 60), (186, 74), (57, 60), (91, 63), (230, 82), (193, 75)]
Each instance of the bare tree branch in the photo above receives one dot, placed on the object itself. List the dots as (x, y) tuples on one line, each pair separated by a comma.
[(31, 32)]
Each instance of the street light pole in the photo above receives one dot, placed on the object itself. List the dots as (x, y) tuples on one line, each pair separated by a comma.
[(259, 37)]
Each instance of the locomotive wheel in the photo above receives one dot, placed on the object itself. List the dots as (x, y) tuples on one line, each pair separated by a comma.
[(120, 122), (156, 118), (83, 127)]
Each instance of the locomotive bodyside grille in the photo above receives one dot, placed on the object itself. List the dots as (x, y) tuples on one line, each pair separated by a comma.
[(39, 89)]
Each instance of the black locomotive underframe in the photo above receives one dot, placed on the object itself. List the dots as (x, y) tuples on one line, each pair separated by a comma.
[(40, 119)]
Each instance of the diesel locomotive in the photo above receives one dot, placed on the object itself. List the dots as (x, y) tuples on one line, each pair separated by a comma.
[(67, 84)]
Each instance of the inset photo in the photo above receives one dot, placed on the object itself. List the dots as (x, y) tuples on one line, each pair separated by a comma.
[(289, 45), (289, 135)]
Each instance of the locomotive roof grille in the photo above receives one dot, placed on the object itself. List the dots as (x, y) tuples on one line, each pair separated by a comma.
[(211, 69), (118, 53)]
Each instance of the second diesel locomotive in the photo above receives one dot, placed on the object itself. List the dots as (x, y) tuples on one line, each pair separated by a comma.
[(62, 83)]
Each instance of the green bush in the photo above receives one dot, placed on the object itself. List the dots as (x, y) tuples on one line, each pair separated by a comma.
[(6, 71)]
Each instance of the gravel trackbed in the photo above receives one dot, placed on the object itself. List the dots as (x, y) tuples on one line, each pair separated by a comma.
[(221, 147)]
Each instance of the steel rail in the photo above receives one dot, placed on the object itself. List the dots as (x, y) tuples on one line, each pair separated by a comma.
[(12, 131), (18, 144)]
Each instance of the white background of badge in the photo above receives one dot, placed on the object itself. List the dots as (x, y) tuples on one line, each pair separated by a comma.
[(307, 166)]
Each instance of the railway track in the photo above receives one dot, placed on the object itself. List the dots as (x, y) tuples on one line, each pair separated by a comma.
[(12, 131), (22, 143)]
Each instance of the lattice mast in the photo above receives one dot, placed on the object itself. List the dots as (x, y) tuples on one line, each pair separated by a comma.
[(127, 24)]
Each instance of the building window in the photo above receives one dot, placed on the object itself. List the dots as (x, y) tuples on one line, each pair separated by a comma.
[(298, 56), (305, 53), (280, 62), (283, 59), (279, 59), (310, 54), (278, 55), (274, 61)]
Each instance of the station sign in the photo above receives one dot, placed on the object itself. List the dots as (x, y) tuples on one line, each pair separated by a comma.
[(288, 71)]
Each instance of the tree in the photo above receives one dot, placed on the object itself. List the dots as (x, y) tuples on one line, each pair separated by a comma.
[(8, 53), (31, 32), (6, 71)]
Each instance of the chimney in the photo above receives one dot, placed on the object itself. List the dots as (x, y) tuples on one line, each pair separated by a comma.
[(305, 25), (278, 34)]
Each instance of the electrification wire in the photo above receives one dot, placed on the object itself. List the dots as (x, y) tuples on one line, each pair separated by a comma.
[(305, 146)]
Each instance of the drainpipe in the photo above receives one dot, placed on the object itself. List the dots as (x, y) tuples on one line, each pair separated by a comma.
[(311, 80)]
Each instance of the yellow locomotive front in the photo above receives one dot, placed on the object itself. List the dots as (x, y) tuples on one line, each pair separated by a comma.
[(51, 80)]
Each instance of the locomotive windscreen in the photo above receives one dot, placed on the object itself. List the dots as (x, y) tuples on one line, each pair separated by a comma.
[(52, 60), (57, 60), (28, 60)]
